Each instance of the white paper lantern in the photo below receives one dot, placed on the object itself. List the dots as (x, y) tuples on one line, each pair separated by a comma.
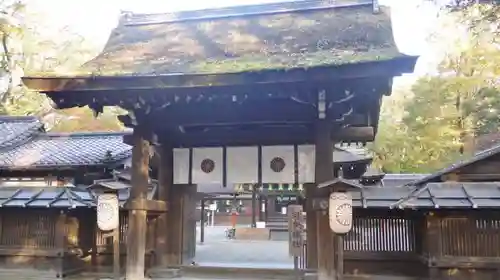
[(107, 212), (340, 212)]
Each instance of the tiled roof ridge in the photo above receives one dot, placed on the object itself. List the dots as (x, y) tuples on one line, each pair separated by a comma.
[(481, 155), (84, 134), (26, 136), (116, 157), (8, 118), (130, 19), (94, 148), (119, 157)]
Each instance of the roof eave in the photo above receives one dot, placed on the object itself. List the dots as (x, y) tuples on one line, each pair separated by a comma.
[(390, 67), (56, 167)]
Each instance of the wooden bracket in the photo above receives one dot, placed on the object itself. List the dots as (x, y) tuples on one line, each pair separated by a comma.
[(156, 207)]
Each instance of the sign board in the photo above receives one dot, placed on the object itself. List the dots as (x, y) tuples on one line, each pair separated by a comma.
[(296, 229), (107, 212), (340, 212), (212, 207)]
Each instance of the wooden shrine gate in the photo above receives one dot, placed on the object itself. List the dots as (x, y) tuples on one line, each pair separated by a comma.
[(186, 84)]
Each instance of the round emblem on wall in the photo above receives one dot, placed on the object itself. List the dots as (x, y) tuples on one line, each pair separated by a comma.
[(343, 214), (207, 165), (277, 164)]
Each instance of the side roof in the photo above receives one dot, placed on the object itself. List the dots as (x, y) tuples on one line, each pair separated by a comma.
[(15, 130), (53, 151), (285, 35), (493, 151)]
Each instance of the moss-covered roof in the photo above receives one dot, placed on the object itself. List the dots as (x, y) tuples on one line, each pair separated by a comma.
[(248, 38)]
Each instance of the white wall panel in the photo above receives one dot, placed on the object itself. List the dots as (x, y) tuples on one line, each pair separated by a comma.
[(207, 166), (181, 166), (242, 165), (283, 154), (306, 158)]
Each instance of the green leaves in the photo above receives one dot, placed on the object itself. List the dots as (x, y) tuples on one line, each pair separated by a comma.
[(440, 116)]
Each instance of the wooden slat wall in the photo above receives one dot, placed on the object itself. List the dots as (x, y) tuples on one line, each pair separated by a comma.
[(381, 234), (470, 237), (28, 229)]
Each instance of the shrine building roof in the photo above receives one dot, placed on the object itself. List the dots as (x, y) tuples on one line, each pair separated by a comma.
[(17, 130), (60, 196), (267, 36), (452, 195), (53, 150), (296, 35), (436, 176), (45, 197)]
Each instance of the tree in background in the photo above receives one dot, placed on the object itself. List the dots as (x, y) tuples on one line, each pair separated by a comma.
[(441, 116), (32, 47), (11, 29)]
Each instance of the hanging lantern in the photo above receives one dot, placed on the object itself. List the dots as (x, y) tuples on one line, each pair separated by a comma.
[(340, 212), (107, 212)]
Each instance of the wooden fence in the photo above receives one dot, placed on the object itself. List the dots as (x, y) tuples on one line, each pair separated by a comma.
[(425, 245), (428, 245)]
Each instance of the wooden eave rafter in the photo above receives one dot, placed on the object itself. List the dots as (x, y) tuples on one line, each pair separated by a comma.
[(392, 67)]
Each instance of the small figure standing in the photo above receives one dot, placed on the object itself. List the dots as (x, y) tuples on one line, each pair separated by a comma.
[(231, 232)]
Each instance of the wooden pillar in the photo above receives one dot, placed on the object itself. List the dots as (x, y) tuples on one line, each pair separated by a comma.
[(136, 235), (165, 184), (61, 242), (259, 208), (175, 226), (270, 209), (181, 224), (433, 244), (188, 217), (324, 172), (311, 232), (202, 221), (254, 206)]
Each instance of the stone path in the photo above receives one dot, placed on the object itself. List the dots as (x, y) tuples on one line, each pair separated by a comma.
[(218, 251)]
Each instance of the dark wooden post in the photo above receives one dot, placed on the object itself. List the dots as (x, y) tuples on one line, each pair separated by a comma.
[(259, 208), (433, 244), (95, 229), (254, 206), (324, 173), (181, 227), (136, 236), (188, 228), (202, 221), (116, 253), (311, 232), (61, 242), (165, 181), (270, 210)]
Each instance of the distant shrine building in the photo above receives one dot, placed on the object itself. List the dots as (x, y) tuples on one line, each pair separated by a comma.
[(245, 95)]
